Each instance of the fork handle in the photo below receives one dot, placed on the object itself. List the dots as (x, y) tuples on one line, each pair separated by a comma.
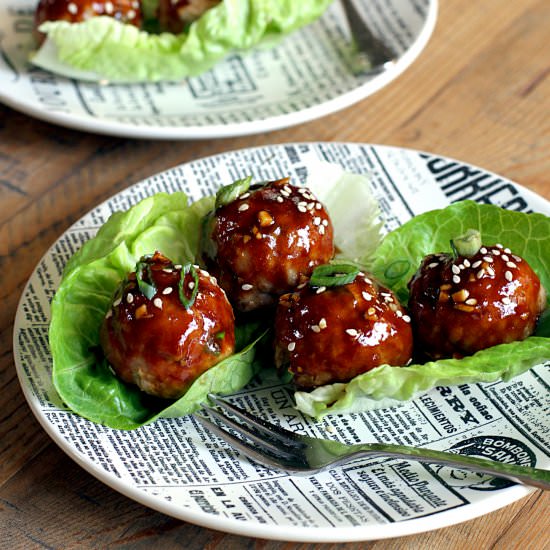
[(525, 475)]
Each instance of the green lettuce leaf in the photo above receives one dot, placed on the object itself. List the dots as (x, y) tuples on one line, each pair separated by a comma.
[(104, 48), (85, 381), (397, 259)]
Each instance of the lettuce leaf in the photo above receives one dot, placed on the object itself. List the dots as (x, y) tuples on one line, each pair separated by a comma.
[(103, 48), (397, 259), (84, 381)]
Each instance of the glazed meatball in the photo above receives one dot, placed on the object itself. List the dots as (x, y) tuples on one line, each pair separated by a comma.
[(76, 11), (174, 15), (463, 304), (267, 242), (326, 335), (167, 325)]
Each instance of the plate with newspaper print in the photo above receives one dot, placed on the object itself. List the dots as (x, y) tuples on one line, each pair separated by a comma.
[(307, 76), (176, 467)]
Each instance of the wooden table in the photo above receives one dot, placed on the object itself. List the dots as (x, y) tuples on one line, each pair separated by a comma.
[(480, 92)]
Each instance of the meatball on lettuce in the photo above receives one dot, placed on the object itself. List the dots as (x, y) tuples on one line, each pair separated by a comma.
[(172, 41), (87, 385)]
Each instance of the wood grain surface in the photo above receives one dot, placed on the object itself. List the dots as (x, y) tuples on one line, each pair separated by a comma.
[(480, 92)]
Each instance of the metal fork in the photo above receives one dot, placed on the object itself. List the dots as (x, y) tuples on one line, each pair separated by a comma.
[(280, 449), (373, 55)]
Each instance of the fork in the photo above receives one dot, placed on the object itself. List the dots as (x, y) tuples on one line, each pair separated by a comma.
[(373, 55), (281, 449)]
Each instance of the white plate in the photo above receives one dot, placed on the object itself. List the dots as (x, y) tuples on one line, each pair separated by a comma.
[(307, 76), (168, 466)]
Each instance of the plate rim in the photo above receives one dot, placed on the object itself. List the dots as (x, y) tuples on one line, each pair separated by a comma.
[(446, 518), (103, 126)]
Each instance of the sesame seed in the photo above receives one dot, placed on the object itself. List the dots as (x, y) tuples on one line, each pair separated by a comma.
[(498, 245), (455, 269), (316, 328), (517, 258), (366, 295), (351, 331), (167, 290), (247, 286), (508, 276), (318, 205), (72, 8), (191, 285), (505, 257), (117, 302), (406, 318), (480, 273), (321, 230), (367, 280), (287, 189), (243, 207), (285, 194), (167, 270), (109, 8), (490, 271), (432, 265), (323, 323), (456, 279), (157, 302), (109, 314), (371, 311), (203, 272), (310, 206), (244, 196), (508, 251), (399, 313), (325, 223), (495, 252), (471, 302), (488, 259), (179, 266), (130, 298), (511, 264), (466, 262), (476, 264), (320, 289), (131, 14), (301, 285), (505, 300), (291, 346), (317, 220), (483, 250), (303, 204), (280, 199)]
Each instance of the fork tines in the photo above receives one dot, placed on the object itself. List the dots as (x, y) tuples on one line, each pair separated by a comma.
[(265, 443)]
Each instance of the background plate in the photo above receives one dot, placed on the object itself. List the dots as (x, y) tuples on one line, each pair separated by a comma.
[(174, 466), (307, 76)]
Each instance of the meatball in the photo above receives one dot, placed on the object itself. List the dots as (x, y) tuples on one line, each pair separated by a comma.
[(76, 11), (266, 242), (167, 325), (333, 334), (174, 15), (463, 304)]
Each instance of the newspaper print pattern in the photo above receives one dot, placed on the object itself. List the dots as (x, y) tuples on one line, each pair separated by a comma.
[(309, 72), (176, 466)]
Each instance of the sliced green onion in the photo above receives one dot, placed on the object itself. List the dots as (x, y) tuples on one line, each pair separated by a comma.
[(333, 275), (468, 244), (188, 302), (231, 192), (148, 289)]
